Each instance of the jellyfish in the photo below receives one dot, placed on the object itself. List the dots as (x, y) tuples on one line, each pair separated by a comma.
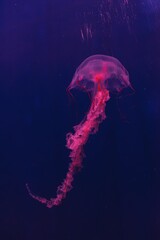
[(98, 75)]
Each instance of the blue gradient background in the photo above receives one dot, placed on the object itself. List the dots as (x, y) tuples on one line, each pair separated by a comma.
[(116, 196)]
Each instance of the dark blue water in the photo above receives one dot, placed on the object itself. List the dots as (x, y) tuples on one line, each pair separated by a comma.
[(116, 196)]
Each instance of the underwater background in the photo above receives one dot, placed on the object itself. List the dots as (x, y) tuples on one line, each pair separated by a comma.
[(116, 195)]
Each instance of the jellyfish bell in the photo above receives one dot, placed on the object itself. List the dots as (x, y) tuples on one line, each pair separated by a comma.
[(100, 72)]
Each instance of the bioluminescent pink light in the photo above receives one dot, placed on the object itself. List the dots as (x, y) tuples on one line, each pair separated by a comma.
[(99, 75)]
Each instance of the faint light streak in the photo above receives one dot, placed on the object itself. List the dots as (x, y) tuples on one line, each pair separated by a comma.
[(86, 32)]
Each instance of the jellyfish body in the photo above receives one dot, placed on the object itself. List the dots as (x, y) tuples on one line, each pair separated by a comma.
[(99, 75), (100, 72)]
